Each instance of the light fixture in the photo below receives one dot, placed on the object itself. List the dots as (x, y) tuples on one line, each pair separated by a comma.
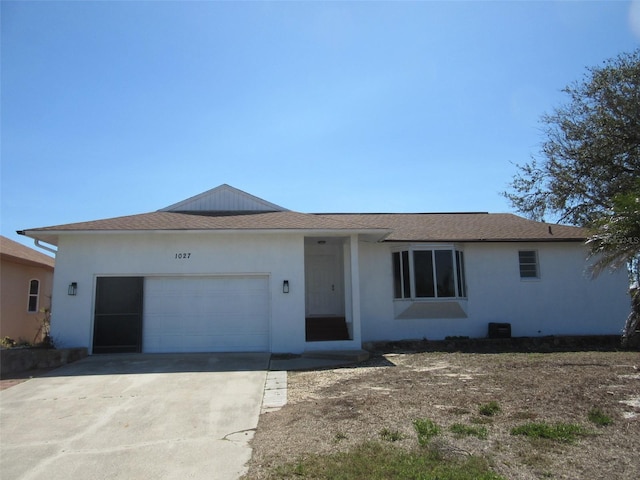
[(285, 286), (73, 288)]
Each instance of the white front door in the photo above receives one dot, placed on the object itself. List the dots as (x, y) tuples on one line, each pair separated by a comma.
[(324, 284)]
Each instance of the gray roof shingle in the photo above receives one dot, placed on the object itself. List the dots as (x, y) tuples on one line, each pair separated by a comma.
[(434, 227), (286, 220), (494, 227)]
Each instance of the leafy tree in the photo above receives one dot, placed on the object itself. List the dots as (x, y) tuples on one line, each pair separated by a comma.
[(616, 242), (616, 237), (589, 173), (592, 148)]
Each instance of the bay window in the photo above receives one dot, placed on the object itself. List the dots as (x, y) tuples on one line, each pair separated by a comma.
[(428, 273)]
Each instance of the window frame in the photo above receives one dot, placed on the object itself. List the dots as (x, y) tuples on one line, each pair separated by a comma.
[(522, 264), (401, 253), (35, 295)]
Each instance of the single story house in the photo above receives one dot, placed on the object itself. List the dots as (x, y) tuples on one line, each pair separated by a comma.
[(26, 280), (227, 271)]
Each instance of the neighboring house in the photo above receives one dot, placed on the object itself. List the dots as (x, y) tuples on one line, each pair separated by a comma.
[(26, 279), (227, 271)]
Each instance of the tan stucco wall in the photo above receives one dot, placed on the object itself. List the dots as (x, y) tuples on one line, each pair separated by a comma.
[(15, 321)]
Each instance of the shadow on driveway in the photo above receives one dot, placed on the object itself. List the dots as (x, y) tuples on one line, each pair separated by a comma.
[(140, 363)]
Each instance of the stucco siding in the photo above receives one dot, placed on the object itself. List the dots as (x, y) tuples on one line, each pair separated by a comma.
[(565, 300), (82, 258), (15, 321)]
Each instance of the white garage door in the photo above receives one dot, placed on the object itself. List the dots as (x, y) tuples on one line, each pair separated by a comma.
[(206, 314)]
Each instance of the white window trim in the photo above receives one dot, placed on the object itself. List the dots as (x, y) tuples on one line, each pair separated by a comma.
[(37, 295), (451, 247), (538, 276)]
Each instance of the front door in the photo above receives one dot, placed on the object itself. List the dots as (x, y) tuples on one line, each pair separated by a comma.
[(324, 285), (117, 326)]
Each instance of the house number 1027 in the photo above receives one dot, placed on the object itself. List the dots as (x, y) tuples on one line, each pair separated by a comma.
[(182, 256)]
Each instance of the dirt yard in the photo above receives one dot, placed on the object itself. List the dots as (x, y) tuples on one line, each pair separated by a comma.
[(333, 410)]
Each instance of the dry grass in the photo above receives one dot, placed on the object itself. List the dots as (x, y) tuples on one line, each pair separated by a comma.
[(335, 410)]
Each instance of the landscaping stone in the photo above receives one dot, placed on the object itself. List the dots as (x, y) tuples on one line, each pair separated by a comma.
[(14, 360)]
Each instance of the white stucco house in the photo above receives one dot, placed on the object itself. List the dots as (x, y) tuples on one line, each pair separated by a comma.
[(227, 271)]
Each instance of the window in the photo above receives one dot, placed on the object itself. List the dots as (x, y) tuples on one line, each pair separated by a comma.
[(401, 284), (462, 287), (34, 289), (428, 274), (528, 264)]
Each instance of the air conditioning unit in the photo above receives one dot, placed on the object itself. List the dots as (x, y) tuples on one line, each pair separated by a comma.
[(499, 330)]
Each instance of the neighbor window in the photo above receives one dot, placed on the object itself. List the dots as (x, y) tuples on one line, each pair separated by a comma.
[(528, 264), (34, 289), (426, 273)]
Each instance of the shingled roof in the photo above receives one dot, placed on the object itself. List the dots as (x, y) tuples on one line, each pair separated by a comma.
[(226, 208), (211, 221), (400, 227), (464, 227), (16, 252), (214, 221)]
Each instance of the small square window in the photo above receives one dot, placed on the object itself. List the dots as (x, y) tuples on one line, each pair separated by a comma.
[(528, 264)]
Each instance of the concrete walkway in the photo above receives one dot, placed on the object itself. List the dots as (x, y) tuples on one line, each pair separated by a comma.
[(184, 416), (275, 391), (275, 388)]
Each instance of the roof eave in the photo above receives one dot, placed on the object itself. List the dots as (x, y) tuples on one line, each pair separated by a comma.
[(25, 261), (52, 236), (489, 240)]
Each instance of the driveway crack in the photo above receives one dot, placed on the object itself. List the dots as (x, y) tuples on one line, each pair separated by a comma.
[(243, 435)]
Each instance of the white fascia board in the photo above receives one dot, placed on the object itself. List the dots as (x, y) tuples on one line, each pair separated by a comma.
[(378, 235)]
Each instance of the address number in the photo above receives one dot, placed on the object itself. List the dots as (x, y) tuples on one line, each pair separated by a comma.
[(183, 256)]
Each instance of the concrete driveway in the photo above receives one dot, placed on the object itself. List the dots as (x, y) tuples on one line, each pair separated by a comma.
[(182, 416)]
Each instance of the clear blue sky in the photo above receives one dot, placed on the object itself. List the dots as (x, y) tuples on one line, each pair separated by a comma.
[(117, 108)]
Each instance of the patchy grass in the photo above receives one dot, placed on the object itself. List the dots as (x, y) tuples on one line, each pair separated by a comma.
[(561, 432), (462, 430), (391, 435), (426, 430), (489, 409), (377, 461), (599, 418), (392, 391)]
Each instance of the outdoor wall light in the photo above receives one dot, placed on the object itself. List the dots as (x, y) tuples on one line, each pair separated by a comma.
[(73, 288), (285, 286)]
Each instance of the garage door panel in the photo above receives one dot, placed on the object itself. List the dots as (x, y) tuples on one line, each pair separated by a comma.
[(202, 314), (185, 324), (199, 343)]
